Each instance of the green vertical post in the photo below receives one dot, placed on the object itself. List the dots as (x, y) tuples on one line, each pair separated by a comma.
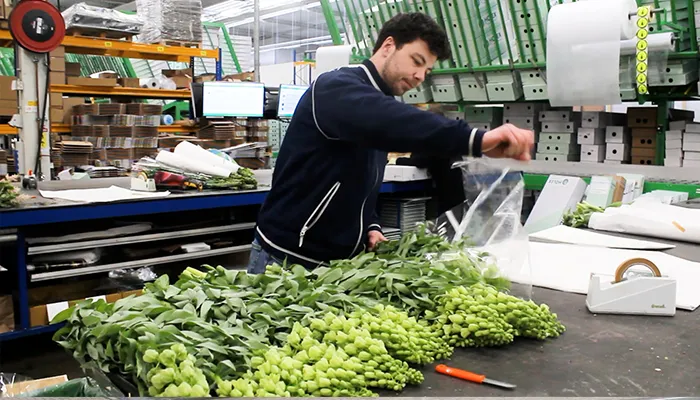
[(330, 21)]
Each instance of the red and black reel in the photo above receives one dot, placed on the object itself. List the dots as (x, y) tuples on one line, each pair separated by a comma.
[(37, 26)]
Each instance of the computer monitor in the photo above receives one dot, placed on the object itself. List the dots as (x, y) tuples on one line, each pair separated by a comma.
[(233, 99), (289, 97)]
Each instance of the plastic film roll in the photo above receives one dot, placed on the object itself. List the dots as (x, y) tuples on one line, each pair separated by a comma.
[(658, 42), (583, 61), (149, 83), (642, 60)]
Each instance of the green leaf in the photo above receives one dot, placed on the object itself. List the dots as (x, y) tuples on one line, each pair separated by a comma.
[(206, 306), (63, 315), (213, 347)]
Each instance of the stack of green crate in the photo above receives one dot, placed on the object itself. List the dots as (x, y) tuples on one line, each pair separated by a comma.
[(485, 118), (663, 72)]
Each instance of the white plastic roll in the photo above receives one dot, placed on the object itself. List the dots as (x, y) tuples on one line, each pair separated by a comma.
[(194, 152), (628, 17), (149, 83), (190, 164), (329, 58), (583, 58), (658, 42)]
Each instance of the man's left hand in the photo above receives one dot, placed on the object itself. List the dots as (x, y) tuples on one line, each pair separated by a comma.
[(375, 237)]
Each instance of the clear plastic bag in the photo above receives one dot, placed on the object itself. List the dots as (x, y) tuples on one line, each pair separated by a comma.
[(488, 223)]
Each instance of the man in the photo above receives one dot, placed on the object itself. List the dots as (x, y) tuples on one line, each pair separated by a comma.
[(326, 182)]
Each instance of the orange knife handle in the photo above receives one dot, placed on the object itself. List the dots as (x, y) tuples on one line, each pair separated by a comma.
[(460, 373)]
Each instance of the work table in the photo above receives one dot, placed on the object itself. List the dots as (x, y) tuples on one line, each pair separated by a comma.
[(598, 356)]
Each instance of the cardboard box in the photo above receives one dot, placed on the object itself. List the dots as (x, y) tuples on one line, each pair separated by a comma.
[(691, 163), (592, 152), (643, 160), (560, 194), (643, 152), (57, 78), (68, 104), (72, 69), (57, 64), (181, 77), (83, 81), (602, 189), (7, 314), (56, 115), (16, 388), (39, 315), (6, 92), (205, 78), (8, 112), (56, 100), (129, 82), (673, 162), (674, 144), (108, 75), (691, 146), (674, 153), (591, 136), (642, 117), (59, 52), (644, 138), (620, 184), (616, 134), (617, 151)]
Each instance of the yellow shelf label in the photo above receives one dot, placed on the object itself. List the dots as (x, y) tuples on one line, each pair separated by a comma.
[(108, 44), (160, 49)]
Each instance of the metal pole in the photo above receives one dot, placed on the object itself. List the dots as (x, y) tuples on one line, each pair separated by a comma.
[(256, 39)]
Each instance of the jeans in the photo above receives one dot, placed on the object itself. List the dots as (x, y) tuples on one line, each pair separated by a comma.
[(260, 259)]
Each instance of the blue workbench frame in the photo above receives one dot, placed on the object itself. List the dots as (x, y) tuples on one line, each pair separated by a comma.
[(32, 216)]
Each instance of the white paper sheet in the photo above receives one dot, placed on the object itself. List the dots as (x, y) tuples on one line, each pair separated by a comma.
[(650, 219), (567, 234), (200, 155), (191, 164), (569, 267), (102, 195), (53, 309)]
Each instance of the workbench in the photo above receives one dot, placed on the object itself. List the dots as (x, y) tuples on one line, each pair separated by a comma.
[(598, 356), (36, 210)]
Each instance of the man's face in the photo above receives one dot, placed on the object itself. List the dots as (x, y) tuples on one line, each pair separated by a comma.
[(407, 67)]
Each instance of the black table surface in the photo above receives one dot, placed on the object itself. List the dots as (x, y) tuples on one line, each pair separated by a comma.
[(598, 356)]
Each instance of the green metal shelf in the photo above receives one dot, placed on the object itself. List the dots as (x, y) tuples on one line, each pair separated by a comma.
[(483, 42)]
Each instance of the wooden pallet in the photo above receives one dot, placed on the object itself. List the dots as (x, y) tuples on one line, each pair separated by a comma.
[(177, 43), (99, 34)]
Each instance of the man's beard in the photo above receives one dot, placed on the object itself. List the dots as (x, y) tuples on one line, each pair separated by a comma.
[(390, 79)]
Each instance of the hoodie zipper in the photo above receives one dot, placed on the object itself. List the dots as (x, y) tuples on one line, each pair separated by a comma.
[(318, 212), (362, 214)]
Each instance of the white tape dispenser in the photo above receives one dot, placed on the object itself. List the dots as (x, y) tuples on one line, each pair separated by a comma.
[(638, 295)]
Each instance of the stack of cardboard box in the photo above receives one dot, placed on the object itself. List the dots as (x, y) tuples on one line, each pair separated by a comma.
[(642, 124), (8, 97)]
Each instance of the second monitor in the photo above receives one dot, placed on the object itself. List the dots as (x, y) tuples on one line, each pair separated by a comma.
[(289, 96), (233, 99)]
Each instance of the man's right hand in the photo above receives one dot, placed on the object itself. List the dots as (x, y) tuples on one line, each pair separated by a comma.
[(508, 141)]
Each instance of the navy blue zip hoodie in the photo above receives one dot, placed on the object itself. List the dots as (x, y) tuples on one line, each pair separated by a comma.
[(331, 164)]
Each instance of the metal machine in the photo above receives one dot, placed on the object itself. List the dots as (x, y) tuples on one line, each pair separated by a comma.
[(37, 28)]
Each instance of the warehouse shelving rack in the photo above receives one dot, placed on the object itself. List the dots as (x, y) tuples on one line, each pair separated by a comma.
[(483, 50), (120, 49)]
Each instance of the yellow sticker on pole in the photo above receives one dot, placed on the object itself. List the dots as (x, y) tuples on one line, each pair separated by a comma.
[(642, 49)]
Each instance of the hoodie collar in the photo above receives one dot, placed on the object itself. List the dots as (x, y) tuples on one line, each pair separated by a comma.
[(375, 78)]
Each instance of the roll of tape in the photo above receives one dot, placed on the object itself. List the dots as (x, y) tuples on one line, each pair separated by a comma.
[(643, 17), (620, 272)]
